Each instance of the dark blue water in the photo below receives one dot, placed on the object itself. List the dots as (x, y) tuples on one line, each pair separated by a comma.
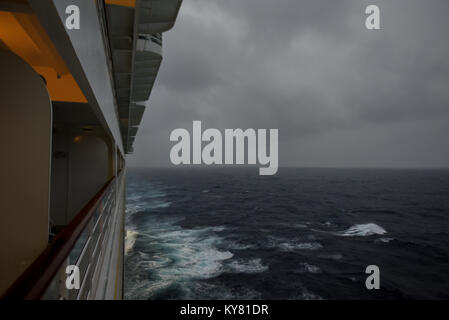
[(302, 234)]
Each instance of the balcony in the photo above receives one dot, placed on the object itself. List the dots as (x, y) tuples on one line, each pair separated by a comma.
[(147, 60), (149, 44), (157, 16), (136, 43)]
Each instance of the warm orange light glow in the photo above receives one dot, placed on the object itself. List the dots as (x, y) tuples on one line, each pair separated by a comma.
[(63, 88), (124, 3), (77, 139), (23, 34)]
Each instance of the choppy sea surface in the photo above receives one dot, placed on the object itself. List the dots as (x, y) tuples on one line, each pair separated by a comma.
[(229, 233)]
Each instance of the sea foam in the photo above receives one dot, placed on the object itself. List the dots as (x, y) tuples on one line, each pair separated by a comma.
[(130, 240), (247, 266)]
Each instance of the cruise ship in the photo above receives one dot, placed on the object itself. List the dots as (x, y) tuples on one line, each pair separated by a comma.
[(75, 80)]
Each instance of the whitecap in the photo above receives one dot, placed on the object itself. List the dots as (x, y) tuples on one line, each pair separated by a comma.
[(130, 240), (191, 263), (363, 230), (183, 254)]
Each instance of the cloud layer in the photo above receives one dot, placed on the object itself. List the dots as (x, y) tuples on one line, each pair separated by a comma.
[(339, 94)]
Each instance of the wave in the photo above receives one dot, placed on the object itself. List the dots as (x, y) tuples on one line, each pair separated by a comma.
[(174, 256), (288, 246), (307, 295), (384, 240), (247, 266), (220, 292), (234, 245), (140, 202), (190, 263), (132, 209), (309, 268), (215, 229), (130, 240), (363, 230), (158, 205), (332, 256)]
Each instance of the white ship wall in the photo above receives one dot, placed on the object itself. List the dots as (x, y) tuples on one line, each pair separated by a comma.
[(84, 53)]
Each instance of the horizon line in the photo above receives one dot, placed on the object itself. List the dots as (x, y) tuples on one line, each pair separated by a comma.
[(198, 166)]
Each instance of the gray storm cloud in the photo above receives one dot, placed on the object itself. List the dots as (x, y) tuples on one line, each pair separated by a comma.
[(339, 94)]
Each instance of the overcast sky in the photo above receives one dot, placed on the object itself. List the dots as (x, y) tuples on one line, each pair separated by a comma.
[(339, 94)]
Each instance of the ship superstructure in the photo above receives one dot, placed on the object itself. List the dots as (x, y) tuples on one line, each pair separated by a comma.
[(71, 102)]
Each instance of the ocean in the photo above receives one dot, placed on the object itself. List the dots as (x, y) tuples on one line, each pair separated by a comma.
[(228, 233)]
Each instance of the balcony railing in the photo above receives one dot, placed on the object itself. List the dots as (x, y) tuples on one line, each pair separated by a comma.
[(149, 43), (81, 243), (156, 38)]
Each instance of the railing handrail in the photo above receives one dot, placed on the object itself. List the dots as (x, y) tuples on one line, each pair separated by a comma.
[(156, 37), (33, 283)]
